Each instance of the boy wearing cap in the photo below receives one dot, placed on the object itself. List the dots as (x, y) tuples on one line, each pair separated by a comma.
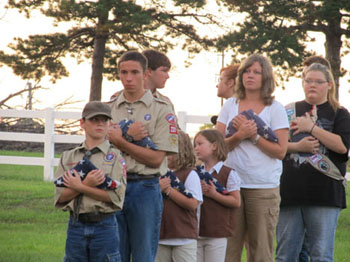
[(92, 229), (139, 221)]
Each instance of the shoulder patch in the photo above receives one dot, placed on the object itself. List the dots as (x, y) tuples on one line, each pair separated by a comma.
[(172, 129), (171, 119), (173, 140)]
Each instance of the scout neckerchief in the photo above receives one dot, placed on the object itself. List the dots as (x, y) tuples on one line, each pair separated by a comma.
[(319, 161)]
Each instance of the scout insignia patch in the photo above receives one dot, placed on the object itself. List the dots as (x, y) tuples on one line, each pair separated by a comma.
[(110, 157), (173, 140), (147, 117), (172, 129), (171, 119), (290, 113), (324, 166)]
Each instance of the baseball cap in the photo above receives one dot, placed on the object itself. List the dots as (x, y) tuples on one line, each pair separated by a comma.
[(96, 108)]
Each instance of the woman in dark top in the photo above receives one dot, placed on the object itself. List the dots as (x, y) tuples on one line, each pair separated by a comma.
[(312, 182)]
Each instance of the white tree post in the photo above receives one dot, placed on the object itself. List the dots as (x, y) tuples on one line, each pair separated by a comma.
[(49, 146)]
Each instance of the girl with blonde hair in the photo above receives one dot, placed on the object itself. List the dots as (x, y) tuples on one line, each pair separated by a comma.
[(179, 227)]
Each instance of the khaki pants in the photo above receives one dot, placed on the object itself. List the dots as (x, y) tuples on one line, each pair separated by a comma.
[(183, 253), (256, 221), (211, 249)]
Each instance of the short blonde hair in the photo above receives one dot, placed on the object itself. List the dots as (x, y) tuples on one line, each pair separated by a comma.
[(268, 78), (215, 137), (185, 157)]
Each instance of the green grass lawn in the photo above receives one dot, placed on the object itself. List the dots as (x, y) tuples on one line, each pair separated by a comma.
[(32, 230)]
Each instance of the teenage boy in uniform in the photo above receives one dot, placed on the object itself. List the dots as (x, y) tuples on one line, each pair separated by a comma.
[(157, 74), (92, 229), (139, 221)]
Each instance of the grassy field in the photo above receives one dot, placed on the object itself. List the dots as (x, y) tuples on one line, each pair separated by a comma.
[(32, 230)]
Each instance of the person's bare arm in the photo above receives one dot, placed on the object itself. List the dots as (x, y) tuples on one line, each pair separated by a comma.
[(75, 187), (329, 140), (149, 157), (176, 196), (275, 150), (245, 130), (233, 199)]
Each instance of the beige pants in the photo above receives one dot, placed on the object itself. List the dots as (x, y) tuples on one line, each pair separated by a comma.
[(256, 221), (211, 249), (184, 253)]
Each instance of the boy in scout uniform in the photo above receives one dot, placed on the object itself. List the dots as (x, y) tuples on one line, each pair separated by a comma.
[(139, 221), (92, 229), (157, 73)]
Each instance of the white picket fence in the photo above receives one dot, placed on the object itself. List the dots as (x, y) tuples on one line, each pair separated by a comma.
[(49, 138)]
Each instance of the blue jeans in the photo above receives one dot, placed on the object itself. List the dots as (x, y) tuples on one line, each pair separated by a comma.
[(139, 221), (317, 224), (93, 242), (304, 255)]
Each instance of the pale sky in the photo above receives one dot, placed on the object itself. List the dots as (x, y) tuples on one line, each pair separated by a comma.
[(191, 89)]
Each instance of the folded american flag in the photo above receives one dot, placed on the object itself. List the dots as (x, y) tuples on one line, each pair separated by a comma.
[(83, 167), (177, 184), (297, 137), (145, 142), (206, 176), (263, 129)]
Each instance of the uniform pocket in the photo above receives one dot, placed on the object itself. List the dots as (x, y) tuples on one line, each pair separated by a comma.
[(114, 257), (274, 214)]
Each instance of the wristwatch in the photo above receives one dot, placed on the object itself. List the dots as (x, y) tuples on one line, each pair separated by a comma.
[(256, 139), (128, 138)]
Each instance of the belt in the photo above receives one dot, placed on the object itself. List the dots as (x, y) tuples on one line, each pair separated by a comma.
[(93, 217), (137, 177)]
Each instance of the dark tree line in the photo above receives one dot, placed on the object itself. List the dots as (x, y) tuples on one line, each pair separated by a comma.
[(102, 30)]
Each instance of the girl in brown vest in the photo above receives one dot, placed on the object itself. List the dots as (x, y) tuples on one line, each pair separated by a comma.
[(179, 227), (218, 210)]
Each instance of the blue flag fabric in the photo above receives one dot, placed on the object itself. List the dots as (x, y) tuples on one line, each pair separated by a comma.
[(83, 167), (263, 129), (145, 142), (177, 184), (206, 176)]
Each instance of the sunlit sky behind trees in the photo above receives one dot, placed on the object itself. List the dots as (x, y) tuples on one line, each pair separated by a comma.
[(192, 89)]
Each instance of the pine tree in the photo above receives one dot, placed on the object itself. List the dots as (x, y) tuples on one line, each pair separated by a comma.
[(279, 28), (101, 31)]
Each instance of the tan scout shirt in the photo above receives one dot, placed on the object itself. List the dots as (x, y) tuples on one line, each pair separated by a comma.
[(111, 162), (156, 94), (160, 122), (164, 98), (167, 100)]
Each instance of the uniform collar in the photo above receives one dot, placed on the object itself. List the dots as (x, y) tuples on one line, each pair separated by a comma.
[(104, 146), (147, 99), (156, 94), (217, 167)]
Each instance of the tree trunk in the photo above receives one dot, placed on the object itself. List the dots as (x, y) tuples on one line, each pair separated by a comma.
[(98, 58), (333, 46)]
